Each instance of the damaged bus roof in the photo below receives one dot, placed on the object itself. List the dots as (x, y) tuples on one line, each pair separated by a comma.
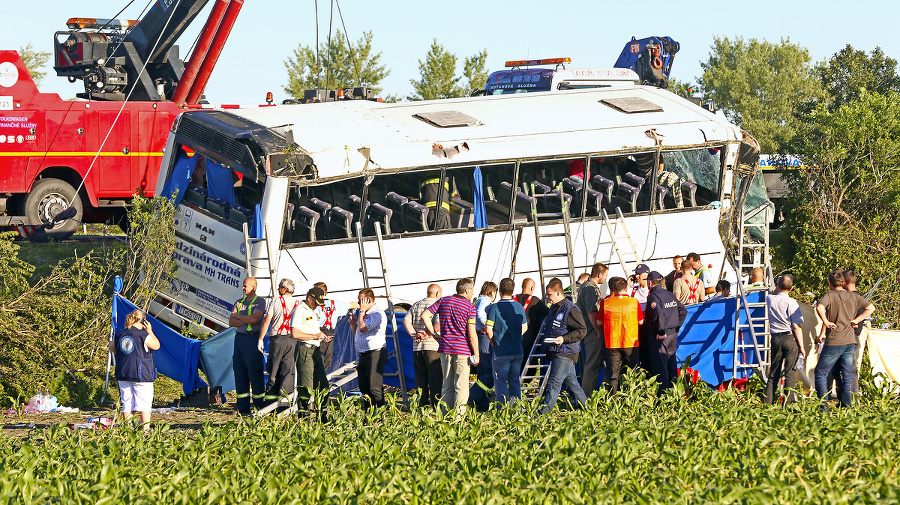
[(355, 136)]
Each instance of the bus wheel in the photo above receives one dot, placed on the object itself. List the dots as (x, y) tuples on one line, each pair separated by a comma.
[(48, 198)]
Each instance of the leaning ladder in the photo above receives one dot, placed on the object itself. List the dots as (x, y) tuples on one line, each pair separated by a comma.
[(622, 243), (550, 241), (380, 267), (752, 337), (534, 375)]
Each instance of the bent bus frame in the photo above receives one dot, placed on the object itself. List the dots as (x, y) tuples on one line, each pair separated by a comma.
[(307, 173)]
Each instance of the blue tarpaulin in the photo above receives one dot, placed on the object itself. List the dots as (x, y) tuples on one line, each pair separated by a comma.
[(177, 356), (220, 182), (180, 178), (217, 360)]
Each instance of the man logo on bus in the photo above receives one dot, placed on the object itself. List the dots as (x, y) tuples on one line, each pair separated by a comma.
[(635, 48)]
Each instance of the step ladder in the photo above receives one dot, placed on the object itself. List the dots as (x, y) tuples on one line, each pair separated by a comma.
[(374, 268), (535, 373), (621, 241), (752, 342), (261, 258), (554, 246)]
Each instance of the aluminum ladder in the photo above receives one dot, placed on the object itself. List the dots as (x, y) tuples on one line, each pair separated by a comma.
[(752, 339), (381, 274), (622, 243), (535, 373), (551, 241)]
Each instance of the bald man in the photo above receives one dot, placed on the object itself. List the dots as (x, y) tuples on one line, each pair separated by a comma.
[(426, 359), (246, 319), (535, 311)]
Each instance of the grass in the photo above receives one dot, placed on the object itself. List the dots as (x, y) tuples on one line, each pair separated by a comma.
[(720, 448)]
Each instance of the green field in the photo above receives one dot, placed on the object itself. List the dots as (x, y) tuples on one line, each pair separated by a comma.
[(716, 448)]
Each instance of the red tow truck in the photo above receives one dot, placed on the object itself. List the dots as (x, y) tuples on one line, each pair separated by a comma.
[(97, 151)]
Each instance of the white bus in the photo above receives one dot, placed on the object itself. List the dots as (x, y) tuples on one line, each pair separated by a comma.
[(308, 173)]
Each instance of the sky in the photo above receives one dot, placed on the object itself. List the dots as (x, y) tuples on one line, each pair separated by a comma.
[(592, 33)]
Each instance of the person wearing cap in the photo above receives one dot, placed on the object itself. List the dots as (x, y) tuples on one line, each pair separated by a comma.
[(282, 346), (663, 318), (247, 360), (310, 363), (639, 289), (369, 326)]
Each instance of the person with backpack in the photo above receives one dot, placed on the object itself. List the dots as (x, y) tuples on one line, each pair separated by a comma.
[(135, 368)]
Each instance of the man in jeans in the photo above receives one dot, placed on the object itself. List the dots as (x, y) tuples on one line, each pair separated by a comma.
[(837, 309), (506, 323), (369, 327), (787, 338), (595, 357), (426, 360), (457, 340), (562, 331)]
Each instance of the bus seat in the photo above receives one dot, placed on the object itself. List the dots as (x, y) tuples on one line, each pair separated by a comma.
[(240, 215), (689, 193), (539, 188), (323, 208), (397, 203), (341, 223), (306, 222), (217, 207), (634, 180), (604, 186), (572, 185), (354, 204), (195, 195), (551, 202), (416, 216), (377, 214), (595, 201), (626, 197), (661, 193), (523, 201)]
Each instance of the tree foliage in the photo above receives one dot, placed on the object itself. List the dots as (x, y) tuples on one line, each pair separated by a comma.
[(54, 330), (340, 65), (844, 206), (34, 60), (438, 79), (760, 86), (850, 72)]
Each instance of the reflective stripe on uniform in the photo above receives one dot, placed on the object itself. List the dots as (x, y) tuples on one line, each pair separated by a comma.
[(436, 180), (243, 395), (249, 309), (445, 205), (271, 397), (259, 397)]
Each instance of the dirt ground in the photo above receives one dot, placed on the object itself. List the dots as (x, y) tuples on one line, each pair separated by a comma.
[(183, 418)]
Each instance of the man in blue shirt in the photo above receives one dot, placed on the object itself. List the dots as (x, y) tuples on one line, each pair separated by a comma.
[(505, 324)]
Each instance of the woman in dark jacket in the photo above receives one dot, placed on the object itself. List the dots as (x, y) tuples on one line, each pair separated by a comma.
[(135, 369)]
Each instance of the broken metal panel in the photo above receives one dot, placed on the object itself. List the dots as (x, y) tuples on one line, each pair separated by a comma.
[(447, 119), (631, 104)]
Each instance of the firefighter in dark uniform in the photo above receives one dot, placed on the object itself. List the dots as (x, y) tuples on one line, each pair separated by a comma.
[(663, 318), (246, 319), (430, 189)]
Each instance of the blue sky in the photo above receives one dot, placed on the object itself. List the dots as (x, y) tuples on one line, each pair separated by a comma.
[(592, 33)]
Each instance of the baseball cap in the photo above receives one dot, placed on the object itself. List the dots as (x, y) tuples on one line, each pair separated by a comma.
[(655, 276), (317, 295), (641, 269)]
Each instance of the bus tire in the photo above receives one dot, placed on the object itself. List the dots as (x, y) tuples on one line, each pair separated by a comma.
[(49, 197)]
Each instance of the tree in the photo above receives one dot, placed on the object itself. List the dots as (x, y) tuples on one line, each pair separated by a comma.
[(844, 206), (475, 71), (438, 77), (851, 71), (34, 61), (340, 66), (760, 86)]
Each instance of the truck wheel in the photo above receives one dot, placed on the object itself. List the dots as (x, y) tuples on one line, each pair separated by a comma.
[(48, 198)]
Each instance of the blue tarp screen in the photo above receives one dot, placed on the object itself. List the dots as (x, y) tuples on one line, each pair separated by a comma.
[(219, 182), (180, 178), (177, 356)]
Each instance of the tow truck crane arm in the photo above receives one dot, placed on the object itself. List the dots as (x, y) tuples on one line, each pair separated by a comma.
[(651, 58)]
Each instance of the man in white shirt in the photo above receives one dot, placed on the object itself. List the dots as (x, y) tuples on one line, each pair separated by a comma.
[(426, 359), (369, 326), (703, 273)]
